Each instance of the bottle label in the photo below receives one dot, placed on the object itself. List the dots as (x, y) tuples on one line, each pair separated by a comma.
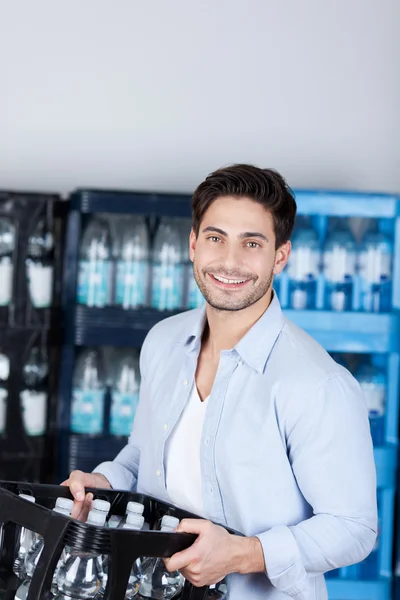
[(40, 283), (167, 288), (94, 283), (196, 298), (299, 299), (3, 409), (375, 265), (339, 265), (131, 283), (87, 411), (123, 408), (375, 397), (34, 411), (303, 264), (6, 279)]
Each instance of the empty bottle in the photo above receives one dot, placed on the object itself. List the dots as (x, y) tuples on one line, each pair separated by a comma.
[(39, 266), (132, 263), (25, 542), (64, 507), (303, 268), (157, 582), (81, 577), (34, 393), (167, 267), (7, 247), (95, 267), (374, 385), (4, 374), (375, 269), (88, 394), (339, 268), (124, 394)]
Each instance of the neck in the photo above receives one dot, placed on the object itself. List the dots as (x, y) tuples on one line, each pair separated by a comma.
[(226, 328)]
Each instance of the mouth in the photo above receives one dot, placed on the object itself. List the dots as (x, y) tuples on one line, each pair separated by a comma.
[(228, 284)]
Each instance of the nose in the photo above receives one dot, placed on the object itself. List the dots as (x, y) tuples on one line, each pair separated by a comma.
[(233, 258)]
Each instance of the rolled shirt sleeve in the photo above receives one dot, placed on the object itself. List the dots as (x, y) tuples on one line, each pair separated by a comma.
[(330, 451)]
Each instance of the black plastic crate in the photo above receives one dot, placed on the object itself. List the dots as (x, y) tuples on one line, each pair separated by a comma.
[(26, 211), (122, 546)]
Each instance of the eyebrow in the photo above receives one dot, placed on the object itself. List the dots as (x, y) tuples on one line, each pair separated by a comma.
[(242, 236)]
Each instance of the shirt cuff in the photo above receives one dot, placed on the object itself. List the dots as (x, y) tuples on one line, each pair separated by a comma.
[(119, 476), (283, 562)]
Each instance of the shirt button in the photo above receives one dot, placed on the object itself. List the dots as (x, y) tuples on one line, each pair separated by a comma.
[(186, 382), (240, 362), (158, 473), (165, 426)]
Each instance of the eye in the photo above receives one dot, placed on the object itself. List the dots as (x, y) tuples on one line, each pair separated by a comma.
[(253, 245), (214, 238)]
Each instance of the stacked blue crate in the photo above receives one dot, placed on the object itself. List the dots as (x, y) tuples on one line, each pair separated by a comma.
[(351, 331)]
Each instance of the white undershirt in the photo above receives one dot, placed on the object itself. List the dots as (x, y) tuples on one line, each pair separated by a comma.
[(183, 469)]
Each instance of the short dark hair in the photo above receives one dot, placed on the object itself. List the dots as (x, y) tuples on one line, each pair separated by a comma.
[(265, 186)]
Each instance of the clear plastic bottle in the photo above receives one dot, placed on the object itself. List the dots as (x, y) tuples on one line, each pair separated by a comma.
[(124, 394), (132, 508), (4, 374), (157, 583), (33, 555), (95, 267), (132, 254), (303, 268), (25, 542), (7, 246), (39, 266), (374, 385), (375, 270), (34, 393), (88, 394), (339, 268), (167, 267), (81, 577)]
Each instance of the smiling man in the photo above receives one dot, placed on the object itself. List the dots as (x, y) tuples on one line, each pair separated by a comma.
[(244, 419)]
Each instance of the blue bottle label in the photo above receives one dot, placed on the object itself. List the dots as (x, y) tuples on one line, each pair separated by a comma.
[(123, 409), (87, 411), (196, 298), (167, 287), (131, 283), (94, 283)]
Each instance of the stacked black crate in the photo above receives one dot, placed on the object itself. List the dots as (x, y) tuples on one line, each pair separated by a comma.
[(31, 239)]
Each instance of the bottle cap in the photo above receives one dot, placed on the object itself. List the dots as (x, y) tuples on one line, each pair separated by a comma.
[(27, 497), (62, 511), (135, 507), (134, 521), (101, 505), (65, 503), (169, 521), (96, 517)]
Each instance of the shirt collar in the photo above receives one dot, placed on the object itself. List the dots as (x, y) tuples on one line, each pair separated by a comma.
[(256, 345)]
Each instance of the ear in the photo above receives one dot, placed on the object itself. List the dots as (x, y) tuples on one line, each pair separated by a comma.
[(282, 257), (192, 244)]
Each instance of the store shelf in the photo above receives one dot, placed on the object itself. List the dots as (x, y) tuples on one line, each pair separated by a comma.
[(350, 204), (386, 464), (86, 452), (345, 589)]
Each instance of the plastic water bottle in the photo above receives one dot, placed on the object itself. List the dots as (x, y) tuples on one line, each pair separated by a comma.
[(4, 374), (25, 542), (374, 385), (217, 591), (88, 394), (34, 393), (81, 576), (132, 263), (64, 507), (156, 582), (95, 272), (303, 268), (7, 247), (192, 296), (132, 508), (375, 269), (125, 395), (39, 266), (167, 267), (339, 269)]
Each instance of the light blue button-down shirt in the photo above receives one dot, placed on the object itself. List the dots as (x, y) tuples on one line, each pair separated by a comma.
[(286, 450)]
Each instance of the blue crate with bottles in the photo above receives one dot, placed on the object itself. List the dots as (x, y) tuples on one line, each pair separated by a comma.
[(105, 391), (131, 262), (339, 264)]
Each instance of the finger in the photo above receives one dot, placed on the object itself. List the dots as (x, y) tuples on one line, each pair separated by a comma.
[(183, 559), (77, 485), (80, 510), (193, 526)]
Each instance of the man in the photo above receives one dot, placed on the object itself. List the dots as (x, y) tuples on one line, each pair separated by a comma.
[(244, 419)]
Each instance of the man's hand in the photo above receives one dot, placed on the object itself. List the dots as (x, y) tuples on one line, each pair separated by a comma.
[(215, 554), (77, 482)]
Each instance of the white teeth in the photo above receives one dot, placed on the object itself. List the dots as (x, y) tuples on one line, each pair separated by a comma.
[(223, 280)]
